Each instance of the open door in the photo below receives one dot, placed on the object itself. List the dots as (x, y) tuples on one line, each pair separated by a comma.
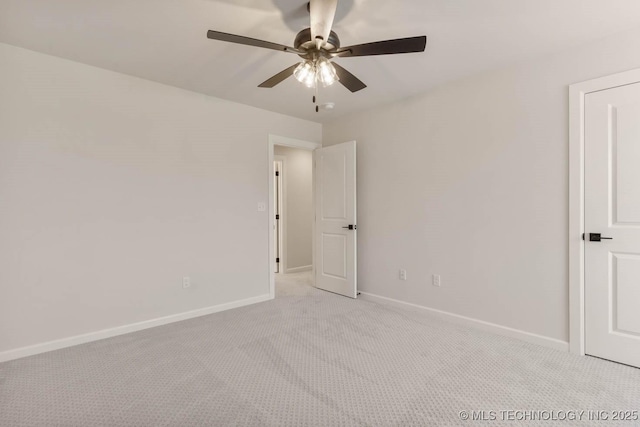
[(612, 209), (336, 228)]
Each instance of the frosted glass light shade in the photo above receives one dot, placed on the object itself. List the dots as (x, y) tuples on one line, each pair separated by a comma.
[(326, 72), (305, 73)]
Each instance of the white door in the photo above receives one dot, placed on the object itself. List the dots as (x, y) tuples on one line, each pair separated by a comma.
[(612, 209), (336, 228)]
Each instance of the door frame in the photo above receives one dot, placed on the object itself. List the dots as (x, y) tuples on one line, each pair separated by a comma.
[(577, 94), (282, 250), (287, 142)]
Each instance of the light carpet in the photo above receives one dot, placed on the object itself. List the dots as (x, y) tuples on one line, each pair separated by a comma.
[(308, 358)]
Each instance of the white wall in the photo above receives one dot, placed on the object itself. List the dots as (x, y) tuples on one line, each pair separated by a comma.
[(112, 188), (470, 182), (297, 215)]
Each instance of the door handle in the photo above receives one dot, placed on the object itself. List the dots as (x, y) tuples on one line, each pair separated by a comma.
[(597, 237), (351, 227)]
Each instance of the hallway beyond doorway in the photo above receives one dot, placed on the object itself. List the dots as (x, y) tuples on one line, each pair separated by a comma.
[(295, 284)]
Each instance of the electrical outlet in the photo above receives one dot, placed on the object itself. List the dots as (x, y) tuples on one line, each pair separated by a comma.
[(186, 282), (436, 280), (403, 274)]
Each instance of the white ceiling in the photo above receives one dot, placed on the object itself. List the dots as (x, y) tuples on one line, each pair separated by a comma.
[(165, 41)]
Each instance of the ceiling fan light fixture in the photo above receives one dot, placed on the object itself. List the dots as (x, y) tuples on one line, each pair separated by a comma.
[(305, 73), (318, 44), (326, 72)]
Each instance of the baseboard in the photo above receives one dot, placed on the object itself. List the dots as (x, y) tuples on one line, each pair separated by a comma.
[(299, 269), (125, 329), (480, 324)]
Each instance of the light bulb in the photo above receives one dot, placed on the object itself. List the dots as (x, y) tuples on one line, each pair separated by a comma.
[(326, 72), (305, 73)]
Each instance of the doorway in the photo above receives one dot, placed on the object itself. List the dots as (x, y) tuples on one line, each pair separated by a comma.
[(293, 190), (291, 219)]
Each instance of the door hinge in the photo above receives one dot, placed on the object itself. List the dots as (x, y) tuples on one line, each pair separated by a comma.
[(277, 216), (277, 173), (277, 259)]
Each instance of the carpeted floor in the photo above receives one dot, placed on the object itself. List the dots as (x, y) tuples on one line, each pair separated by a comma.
[(310, 358)]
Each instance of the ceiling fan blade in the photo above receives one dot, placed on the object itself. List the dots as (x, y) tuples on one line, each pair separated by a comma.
[(278, 78), (386, 47), (348, 80), (232, 38), (322, 14)]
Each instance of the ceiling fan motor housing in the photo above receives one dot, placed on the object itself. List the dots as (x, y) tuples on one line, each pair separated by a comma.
[(303, 41)]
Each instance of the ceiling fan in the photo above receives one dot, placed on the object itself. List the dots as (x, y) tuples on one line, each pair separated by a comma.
[(318, 45)]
